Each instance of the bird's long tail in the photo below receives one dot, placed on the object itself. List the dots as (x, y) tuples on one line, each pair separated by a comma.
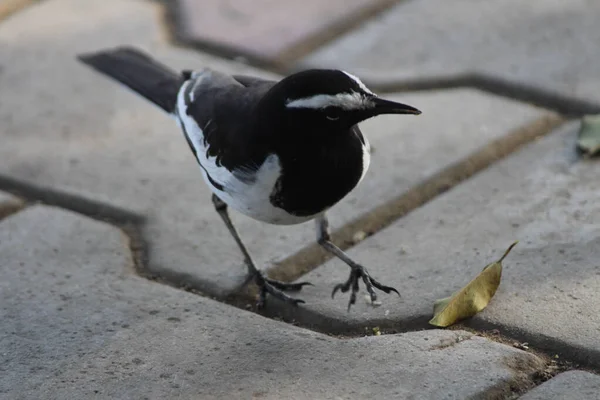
[(138, 71)]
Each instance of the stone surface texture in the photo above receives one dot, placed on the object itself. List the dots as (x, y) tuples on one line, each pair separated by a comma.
[(110, 145), (544, 196), (571, 385), (78, 323), (547, 43)]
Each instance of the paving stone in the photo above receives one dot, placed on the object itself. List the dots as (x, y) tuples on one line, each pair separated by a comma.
[(571, 385), (545, 197), (78, 323), (265, 28), (547, 43), (84, 134), (9, 204)]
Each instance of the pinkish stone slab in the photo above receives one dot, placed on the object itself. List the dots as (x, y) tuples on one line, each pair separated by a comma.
[(266, 28)]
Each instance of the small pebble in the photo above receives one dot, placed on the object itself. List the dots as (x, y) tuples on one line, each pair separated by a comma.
[(375, 303), (359, 236)]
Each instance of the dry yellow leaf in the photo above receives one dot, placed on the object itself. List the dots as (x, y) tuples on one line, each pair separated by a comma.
[(472, 298)]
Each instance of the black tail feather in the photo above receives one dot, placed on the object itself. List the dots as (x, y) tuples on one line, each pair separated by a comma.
[(138, 71)]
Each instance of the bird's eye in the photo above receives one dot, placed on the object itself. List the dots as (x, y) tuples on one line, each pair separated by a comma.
[(332, 113)]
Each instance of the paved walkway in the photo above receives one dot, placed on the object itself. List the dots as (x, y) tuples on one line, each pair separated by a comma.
[(106, 226)]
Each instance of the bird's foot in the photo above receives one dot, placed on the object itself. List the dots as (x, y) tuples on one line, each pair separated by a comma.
[(275, 289), (358, 271)]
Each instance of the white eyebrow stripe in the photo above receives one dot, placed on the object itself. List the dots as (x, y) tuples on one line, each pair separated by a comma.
[(347, 101), (358, 82)]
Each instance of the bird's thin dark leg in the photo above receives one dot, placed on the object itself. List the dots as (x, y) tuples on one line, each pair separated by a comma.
[(357, 272), (266, 285)]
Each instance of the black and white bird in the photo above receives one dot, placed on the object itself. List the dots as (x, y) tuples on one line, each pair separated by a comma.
[(279, 152)]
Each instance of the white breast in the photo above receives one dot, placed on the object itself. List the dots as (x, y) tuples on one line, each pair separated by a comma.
[(366, 159), (245, 190)]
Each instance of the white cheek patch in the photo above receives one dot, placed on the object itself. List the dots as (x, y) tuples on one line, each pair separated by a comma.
[(346, 101), (360, 84)]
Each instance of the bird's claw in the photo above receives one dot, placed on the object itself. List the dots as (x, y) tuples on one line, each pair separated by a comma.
[(371, 284), (275, 289), (292, 287)]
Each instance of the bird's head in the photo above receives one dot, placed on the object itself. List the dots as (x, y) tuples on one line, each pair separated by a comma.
[(326, 100)]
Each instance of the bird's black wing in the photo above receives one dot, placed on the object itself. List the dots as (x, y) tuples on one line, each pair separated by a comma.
[(216, 112)]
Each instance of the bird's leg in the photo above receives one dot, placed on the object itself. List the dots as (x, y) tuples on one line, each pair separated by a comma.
[(357, 271), (265, 284)]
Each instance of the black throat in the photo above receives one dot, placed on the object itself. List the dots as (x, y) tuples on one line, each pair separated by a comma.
[(317, 172)]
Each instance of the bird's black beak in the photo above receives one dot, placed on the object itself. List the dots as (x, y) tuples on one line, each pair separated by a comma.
[(383, 106)]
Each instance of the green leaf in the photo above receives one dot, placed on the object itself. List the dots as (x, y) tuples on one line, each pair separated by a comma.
[(589, 135)]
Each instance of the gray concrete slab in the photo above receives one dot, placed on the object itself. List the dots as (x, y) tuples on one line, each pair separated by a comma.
[(545, 197), (9, 204), (547, 43), (571, 385), (84, 134), (78, 323)]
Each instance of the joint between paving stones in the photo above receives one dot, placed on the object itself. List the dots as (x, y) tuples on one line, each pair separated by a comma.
[(329, 33), (514, 338), (526, 375), (170, 277), (568, 106), (310, 257), (419, 84), (582, 358), (140, 250), (90, 208)]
